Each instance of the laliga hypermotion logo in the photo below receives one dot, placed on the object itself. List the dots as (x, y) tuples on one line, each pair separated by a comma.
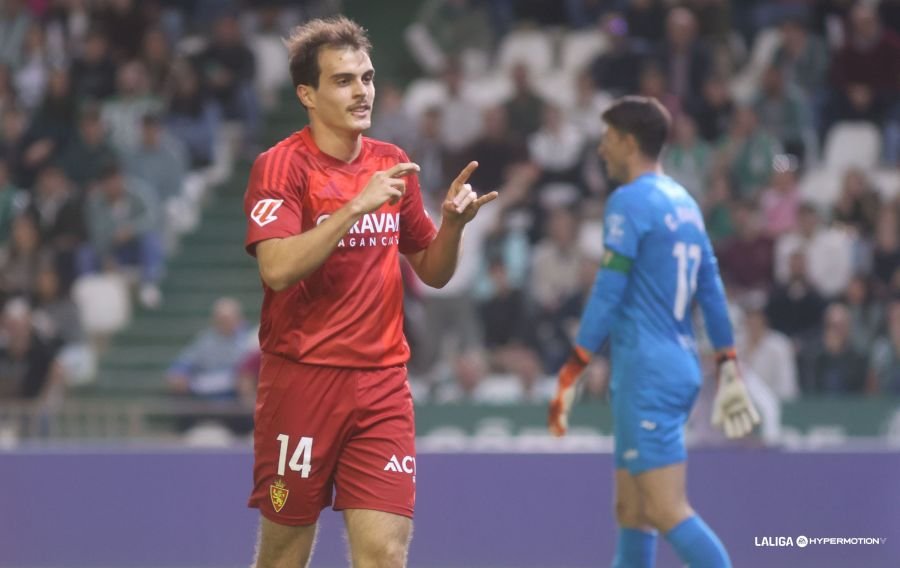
[(278, 493), (264, 211)]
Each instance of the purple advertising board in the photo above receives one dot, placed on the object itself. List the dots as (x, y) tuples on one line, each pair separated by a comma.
[(178, 508)]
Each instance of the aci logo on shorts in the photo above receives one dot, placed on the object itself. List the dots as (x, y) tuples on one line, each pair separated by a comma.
[(406, 465)]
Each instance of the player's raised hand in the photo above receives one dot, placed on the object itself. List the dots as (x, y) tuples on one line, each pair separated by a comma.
[(385, 186), (462, 203), (733, 411)]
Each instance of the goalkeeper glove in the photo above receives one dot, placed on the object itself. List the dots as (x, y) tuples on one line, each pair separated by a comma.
[(733, 410), (558, 419)]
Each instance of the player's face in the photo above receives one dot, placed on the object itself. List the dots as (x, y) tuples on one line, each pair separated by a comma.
[(346, 90), (614, 151)]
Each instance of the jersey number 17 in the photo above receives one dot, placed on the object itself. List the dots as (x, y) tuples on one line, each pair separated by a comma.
[(686, 254)]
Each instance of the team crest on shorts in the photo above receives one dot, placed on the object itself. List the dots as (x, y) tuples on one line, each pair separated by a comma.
[(279, 494)]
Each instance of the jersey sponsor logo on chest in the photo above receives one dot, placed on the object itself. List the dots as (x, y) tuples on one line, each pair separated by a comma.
[(373, 229)]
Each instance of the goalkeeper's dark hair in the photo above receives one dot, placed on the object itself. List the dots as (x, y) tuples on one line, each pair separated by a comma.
[(644, 118), (306, 40)]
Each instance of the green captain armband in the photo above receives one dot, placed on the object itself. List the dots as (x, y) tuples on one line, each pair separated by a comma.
[(617, 262)]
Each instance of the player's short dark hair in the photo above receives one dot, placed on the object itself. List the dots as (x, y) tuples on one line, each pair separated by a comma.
[(644, 118), (306, 40)]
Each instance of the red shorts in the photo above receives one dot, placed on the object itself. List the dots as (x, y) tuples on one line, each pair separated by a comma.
[(323, 430)]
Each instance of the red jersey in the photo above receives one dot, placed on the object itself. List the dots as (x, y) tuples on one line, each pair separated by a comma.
[(349, 312)]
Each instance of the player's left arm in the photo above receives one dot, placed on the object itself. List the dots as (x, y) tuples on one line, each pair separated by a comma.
[(624, 227), (733, 411), (436, 263)]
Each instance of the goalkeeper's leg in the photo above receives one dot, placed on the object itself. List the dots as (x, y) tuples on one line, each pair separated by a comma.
[(664, 498), (636, 545)]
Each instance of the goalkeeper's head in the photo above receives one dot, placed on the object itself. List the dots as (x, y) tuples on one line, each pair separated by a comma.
[(636, 130)]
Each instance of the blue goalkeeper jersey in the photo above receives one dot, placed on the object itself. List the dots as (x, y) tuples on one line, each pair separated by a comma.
[(655, 222)]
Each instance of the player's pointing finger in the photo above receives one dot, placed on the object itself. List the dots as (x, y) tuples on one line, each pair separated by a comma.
[(402, 169), (463, 176), (486, 198)]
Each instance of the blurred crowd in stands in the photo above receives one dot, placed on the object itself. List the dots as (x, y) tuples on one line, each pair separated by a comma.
[(786, 130)]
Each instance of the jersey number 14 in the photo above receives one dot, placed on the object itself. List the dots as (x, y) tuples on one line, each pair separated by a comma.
[(301, 458), (687, 276)]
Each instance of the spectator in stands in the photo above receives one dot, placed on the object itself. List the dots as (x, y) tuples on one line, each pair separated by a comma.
[(32, 69), (746, 259), (12, 199), (795, 307), (509, 331), (769, 354), (654, 83), (207, 368), (228, 69), (14, 25), (616, 69), (780, 203), (858, 205), (828, 251), (866, 313), (685, 60), (7, 89), (29, 368), (429, 153), (191, 116), (88, 150), (523, 109), (646, 20), (784, 112), (832, 365), (52, 122), (13, 146), (21, 259), (58, 211), (747, 152), (557, 147), (159, 160), (123, 22), (392, 123), (886, 254), (94, 72), (864, 71), (802, 57), (133, 101), (688, 158), (498, 142), (587, 110), (556, 264), (444, 30), (122, 221), (58, 317), (717, 208), (460, 117), (713, 109), (885, 360), (157, 59)]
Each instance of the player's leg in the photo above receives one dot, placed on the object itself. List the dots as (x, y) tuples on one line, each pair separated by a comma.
[(375, 480), (377, 539), (302, 421), (636, 545), (281, 546), (664, 496)]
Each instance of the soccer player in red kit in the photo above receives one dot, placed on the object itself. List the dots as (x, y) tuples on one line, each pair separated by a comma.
[(329, 211)]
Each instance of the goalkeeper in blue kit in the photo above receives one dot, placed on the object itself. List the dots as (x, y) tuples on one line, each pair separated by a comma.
[(658, 263)]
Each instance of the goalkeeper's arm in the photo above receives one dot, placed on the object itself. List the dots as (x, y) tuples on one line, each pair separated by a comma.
[(607, 293)]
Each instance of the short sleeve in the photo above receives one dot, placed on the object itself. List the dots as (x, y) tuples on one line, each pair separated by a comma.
[(417, 230), (273, 201), (622, 230)]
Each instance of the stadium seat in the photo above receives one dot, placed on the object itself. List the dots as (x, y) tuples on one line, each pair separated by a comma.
[(852, 144), (103, 303), (534, 48)]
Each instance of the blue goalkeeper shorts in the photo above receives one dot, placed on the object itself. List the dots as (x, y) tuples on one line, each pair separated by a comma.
[(648, 426)]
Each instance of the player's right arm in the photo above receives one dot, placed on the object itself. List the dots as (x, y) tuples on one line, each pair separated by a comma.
[(733, 411), (284, 260)]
